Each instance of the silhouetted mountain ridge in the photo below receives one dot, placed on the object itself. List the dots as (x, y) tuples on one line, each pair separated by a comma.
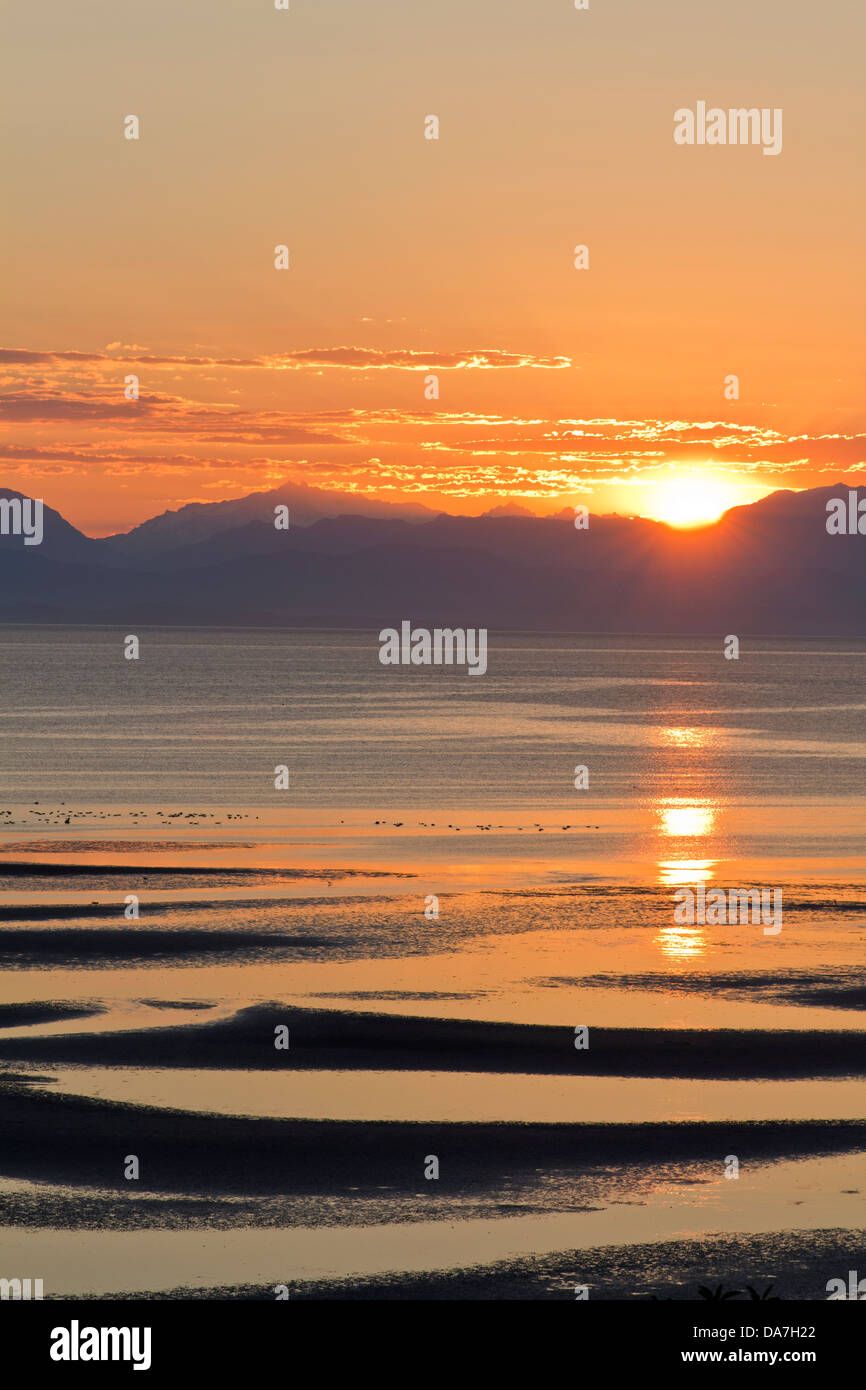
[(766, 568), (198, 521)]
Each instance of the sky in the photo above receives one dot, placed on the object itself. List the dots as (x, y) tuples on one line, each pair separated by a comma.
[(411, 257)]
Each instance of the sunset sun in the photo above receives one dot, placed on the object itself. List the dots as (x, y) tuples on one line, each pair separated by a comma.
[(692, 500)]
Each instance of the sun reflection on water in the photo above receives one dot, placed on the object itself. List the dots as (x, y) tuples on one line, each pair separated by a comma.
[(676, 872), (681, 943), (683, 819), (674, 736), (677, 940)]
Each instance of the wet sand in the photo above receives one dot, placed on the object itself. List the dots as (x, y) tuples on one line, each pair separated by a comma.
[(335, 1040), (795, 1267), (230, 1142), (68, 1140)]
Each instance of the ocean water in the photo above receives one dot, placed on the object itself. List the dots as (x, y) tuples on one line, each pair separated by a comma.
[(203, 716), (432, 908)]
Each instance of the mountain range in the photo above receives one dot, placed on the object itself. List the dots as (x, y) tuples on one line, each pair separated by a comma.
[(346, 561)]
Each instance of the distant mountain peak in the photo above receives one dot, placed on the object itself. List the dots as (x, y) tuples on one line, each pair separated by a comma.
[(199, 521), (509, 508)]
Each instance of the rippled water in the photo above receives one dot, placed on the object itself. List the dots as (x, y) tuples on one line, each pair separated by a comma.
[(204, 716)]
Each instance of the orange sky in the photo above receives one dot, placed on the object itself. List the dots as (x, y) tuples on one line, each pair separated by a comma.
[(411, 256)]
